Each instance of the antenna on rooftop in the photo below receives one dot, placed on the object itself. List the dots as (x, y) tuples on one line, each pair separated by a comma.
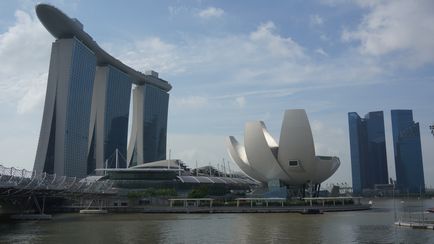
[(224, 167), (117, 158), (229, 168)]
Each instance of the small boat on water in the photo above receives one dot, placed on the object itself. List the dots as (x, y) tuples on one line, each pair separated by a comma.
[(312, 211), (431, 210)]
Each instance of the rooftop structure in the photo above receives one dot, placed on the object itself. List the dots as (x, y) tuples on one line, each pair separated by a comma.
[(171, 174), (63, 27)]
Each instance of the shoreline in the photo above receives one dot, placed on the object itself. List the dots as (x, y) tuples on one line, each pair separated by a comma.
[(241, 209)]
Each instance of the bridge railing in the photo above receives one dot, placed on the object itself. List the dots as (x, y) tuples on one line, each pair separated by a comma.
[(22, 181)]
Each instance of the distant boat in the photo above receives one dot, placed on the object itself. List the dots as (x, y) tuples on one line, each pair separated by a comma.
[(431, 210), (312, 211)]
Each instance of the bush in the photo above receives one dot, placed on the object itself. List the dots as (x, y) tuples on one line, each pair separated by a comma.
[(199, 192)]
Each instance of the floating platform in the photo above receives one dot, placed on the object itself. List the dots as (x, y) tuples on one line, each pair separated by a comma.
[(246, 209), (416, 225), (31, 217), (93, 211)]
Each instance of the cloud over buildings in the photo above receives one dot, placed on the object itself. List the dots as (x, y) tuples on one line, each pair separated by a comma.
[(399, 26), (24, 51), (211, 12)]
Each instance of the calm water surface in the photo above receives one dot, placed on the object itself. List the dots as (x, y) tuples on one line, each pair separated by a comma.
[(374, 226)]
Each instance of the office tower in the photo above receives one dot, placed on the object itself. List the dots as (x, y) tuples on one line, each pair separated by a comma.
[(149, 125), (63, 140), (408, 152), (109, 119), (368, 150)]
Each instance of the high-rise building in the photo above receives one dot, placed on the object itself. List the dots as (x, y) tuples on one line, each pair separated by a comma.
[(109, 118), (63, 141), (368, 151), (86, 109), (408, 152), (149, 125)]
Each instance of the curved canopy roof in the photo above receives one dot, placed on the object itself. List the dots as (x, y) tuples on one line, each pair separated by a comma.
[(61, 26)]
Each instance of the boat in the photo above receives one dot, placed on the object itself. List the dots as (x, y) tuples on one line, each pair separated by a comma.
[(311, 211), (430, 210)]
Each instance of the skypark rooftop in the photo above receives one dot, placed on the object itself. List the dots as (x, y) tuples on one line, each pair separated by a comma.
[(61, 26)]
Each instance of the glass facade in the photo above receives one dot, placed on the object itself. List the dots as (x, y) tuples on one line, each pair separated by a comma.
[(154, 127), (79, 97), (118, 94), (63, 141), (112, 106), (408, 152), (368, 150)]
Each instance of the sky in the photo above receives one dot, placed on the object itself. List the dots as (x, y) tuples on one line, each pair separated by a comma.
[(230, 62)]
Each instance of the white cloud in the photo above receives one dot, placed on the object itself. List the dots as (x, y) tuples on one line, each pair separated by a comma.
[(337, 146), (211, 12), (336, 2), (150, 53), (265, 36), (397, 26), (191, 102), (203, 148), (24, 51), (176, 10), (321, 51), (316, 20), (264, 62), (240, 101), (34, 95)]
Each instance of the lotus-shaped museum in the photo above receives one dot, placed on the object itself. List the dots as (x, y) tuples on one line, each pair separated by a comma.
[(292, 161)]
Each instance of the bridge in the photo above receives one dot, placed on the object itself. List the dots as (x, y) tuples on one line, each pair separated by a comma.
[(25, 190)]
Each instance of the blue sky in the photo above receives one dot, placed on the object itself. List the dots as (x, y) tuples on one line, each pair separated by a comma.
[(235, 61)]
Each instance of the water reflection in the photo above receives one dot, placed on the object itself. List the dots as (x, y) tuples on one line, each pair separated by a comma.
[(374, 226)]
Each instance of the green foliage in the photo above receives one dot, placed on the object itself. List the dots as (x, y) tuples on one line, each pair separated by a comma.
[(200, 192), (152, 192)]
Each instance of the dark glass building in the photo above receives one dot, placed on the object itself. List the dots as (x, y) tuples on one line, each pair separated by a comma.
[(149, 129), (109, 119), (408, 152), (368, 150), (86, 109), (63, 140)]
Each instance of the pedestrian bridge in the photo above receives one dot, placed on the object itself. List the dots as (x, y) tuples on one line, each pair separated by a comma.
[(15, 182), (22, 190)]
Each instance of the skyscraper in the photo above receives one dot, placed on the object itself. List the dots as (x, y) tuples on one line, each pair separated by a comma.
[(86, 109), (149, 127), (109, 118), (408, 152), (368, 150), (63, 141)]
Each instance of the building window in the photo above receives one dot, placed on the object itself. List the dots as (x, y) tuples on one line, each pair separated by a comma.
[(293, 163)]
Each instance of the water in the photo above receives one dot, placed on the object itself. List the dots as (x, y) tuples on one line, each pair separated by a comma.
[(374, 226)]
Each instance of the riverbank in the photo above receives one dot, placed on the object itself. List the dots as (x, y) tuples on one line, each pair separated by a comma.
[(229, 209), (373, 226)]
